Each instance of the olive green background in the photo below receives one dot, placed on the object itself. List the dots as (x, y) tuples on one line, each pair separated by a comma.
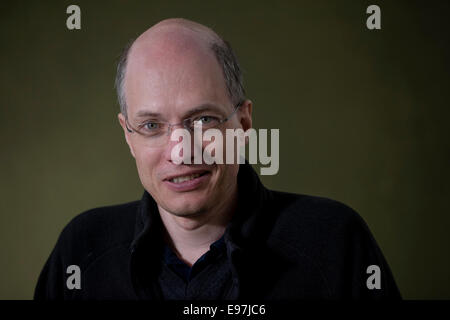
[(363, 118)]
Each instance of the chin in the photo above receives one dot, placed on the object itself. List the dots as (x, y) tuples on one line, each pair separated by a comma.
[(184, 206), (186, 211)]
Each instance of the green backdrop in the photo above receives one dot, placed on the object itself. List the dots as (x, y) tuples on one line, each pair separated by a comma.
[(362, 116)]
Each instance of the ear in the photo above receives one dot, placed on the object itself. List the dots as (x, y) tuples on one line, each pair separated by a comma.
[(126, 132), (245, 114)]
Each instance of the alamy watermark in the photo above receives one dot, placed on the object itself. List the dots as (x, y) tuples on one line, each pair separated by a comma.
[(74, 279), (73, 21), (235, 142), (374, 280)]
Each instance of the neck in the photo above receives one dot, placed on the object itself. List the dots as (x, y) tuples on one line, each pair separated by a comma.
[(190, 237)]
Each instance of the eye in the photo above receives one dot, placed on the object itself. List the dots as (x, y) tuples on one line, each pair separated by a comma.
[(151, 126), (205, 120)]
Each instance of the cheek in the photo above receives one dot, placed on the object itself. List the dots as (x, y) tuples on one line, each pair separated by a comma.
[(226, 175), (146, 161)]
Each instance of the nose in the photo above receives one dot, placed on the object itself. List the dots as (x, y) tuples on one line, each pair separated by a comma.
[(175, 125)]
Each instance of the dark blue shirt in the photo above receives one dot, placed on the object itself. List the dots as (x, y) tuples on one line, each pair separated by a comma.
[(186, 272)]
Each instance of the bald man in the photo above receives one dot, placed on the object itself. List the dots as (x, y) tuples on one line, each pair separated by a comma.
[(205, 231)]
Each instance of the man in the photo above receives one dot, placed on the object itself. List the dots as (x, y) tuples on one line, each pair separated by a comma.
[(205, 231)]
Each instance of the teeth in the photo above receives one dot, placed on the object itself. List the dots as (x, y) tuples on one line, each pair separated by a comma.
[(185, 178)]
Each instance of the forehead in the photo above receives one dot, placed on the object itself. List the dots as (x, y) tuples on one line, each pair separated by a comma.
[(172, 72)]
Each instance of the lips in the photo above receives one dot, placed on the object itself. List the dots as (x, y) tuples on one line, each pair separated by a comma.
[(187, 181), (185, 178), (181, 177)]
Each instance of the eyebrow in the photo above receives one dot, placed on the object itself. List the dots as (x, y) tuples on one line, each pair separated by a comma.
[(201, 108)]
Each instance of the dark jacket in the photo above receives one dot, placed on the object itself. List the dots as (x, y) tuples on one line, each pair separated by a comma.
[(280, 245)]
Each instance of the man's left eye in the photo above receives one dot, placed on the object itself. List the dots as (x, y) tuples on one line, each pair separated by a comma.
[(204, 119)]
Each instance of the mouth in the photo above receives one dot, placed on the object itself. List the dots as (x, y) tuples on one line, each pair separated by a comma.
[(184, 178), (188, 181)]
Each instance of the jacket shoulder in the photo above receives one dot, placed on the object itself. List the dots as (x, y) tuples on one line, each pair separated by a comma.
[(307, 208), (86, 238), (334, 240), (99, 229), (312, 221)]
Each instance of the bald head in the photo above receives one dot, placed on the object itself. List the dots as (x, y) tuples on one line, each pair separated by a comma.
[(182, 27), (174, 42), (173, 37)]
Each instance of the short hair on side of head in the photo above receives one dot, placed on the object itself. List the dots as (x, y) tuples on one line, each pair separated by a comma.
[(120, 77), (225, 57), (232, 73)]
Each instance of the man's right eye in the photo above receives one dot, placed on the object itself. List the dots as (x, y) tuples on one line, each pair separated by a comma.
[(151, 126)]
